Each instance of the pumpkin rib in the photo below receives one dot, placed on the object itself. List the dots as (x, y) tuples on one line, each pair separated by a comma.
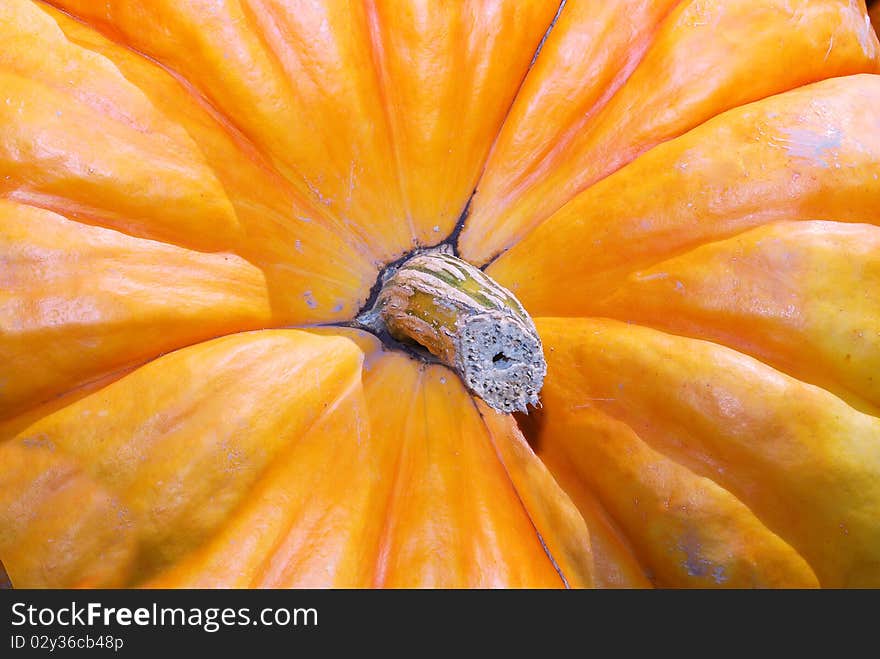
[(313, 272), (558, 145), (631, 270), (761, 221), (448, 80), (168, 171), (131, 221), (452, 239), (248, 146), (617, 565), (802, 460), (731, 173), (617, 137), (12, 426), (775, 247), (254, 122), (91, 300), (705, 500), (559, 458), (382, 83), (66, 19), (220, 461), (526, 512), (237, 135), (263, 568), (385, 536), (310, 534), (454, 518), (849, 398), (282, 503), (38, 488), (559, 513), (357, 241), (491, 435)]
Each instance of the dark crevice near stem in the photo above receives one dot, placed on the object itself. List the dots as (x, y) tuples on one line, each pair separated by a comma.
[(493, 258), (452, 239), (412, 349), (391, 266)]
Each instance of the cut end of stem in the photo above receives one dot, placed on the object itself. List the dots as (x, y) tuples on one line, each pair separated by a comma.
[(499, 362)]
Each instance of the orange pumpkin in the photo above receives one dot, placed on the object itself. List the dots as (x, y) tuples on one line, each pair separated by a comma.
[(198, 199)]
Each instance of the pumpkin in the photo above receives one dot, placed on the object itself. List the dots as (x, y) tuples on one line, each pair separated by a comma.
[(215, 219)]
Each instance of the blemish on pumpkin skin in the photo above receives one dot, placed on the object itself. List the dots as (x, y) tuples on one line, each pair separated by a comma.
[(310, 300), (317, 193), (653, 276), (812, 146), (41, 440), (697, 565), (865, 38)]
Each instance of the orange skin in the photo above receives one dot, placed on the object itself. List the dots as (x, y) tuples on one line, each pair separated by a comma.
[(194, 196)]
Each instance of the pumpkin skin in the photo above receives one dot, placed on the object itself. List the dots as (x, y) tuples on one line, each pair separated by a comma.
[(196, 197)]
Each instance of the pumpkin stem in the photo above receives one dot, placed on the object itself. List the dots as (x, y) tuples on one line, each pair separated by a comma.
[(468, 321)]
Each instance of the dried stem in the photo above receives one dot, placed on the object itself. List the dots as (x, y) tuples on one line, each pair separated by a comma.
[(469, 322)]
